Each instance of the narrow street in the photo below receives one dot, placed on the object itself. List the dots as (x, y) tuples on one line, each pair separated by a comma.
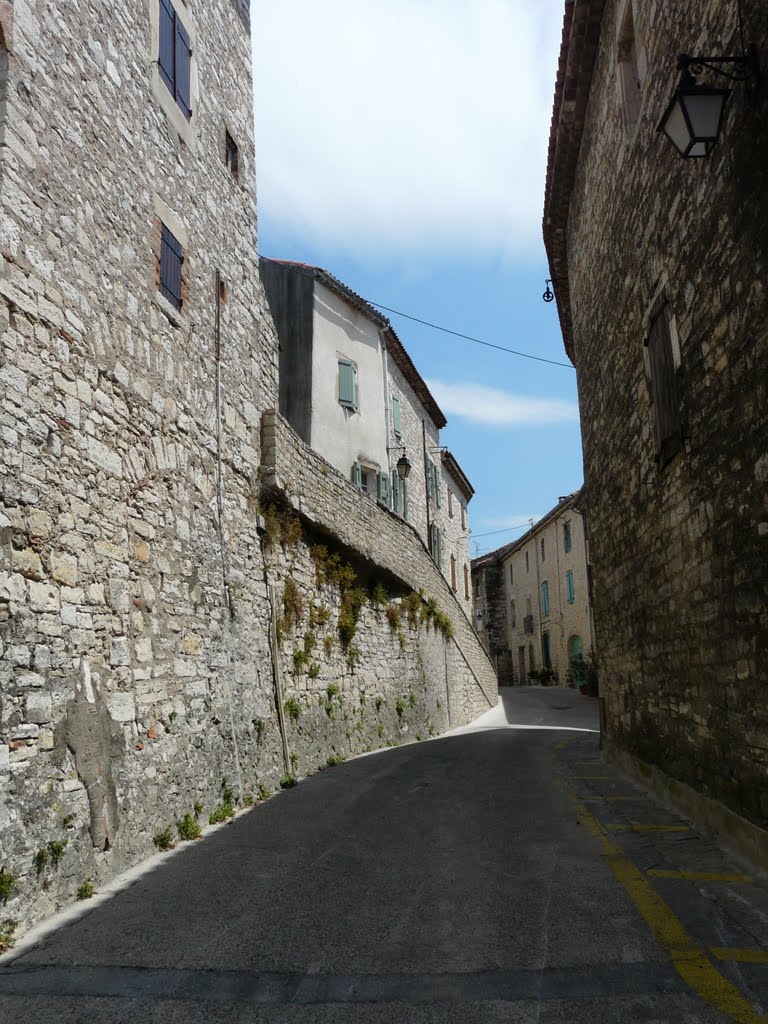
[(504, 873)]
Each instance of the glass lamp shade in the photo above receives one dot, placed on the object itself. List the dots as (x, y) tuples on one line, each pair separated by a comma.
[(694, 117), (403, 467)]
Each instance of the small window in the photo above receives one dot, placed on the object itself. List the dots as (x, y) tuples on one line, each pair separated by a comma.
[(543, 550), (528, 609), (463, 518), (450, 503), (453, 574), (396, 422), (175, 57), (171, 260), (477, 586), (527, 563), (511, 573), (466, 582), (664, 394), (567, 542), (545, 598), (231, 155), (546, 650), (512, 615), (347, 384), (570, 587)]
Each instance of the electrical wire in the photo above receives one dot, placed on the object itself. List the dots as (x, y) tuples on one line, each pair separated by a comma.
[(509, 529), (437, 327)]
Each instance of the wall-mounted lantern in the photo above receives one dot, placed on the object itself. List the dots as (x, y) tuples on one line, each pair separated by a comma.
[(694, 116), (403, 467)]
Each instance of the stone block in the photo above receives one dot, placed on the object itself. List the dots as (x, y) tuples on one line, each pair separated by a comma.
[(119, 595), (43, 597), (39, 707), (120, 651), (64, 568), (29, 680), (27, 563), (121, 707)]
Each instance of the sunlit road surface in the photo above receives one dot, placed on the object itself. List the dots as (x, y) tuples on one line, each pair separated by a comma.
[(504, 873)]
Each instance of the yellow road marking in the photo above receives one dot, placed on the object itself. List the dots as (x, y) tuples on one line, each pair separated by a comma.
[(562, 743), (688, 957), (620, 827), (700, 876), (742, 956)]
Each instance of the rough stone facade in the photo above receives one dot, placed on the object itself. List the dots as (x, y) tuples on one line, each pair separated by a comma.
[(679, 544), (136, 666), (457, 493)]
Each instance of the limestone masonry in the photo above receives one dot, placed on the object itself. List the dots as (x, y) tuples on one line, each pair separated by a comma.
[(180, 616)]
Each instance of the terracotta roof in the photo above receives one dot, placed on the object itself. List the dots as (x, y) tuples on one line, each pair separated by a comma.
[(458, 474), (501, 553), (394, 346), (581, 35)]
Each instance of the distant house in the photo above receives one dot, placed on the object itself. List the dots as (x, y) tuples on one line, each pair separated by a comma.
[(532, 601), (352, 393)]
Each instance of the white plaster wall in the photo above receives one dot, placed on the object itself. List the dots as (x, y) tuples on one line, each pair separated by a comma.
[(340, 435)]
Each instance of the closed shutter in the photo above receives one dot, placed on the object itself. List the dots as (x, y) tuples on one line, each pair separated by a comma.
[(383, 487), (171, 259), (165, 57), (396, 417), (666, 403), (453, 573), (183, 63), (438, 490), (439, 548), (431, 479), (357, 474), (405, 499), (545, 598), (571, 591), (396, 491), (347, 384)]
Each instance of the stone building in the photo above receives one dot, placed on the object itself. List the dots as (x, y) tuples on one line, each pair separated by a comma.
[(155, 567), (536, 610), (659, 266), (352, 393)]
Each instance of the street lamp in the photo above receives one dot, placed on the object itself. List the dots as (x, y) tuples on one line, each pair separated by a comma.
[(694, 116), (403, 466)]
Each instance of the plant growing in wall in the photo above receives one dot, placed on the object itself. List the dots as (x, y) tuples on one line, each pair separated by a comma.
[(300, 660), (56, 849), (188, 827), (288, 781), (163, 840), (292, 708), (9, 883), (85, 891), (7, 931)]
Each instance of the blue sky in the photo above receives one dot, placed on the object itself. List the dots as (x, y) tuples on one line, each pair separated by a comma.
[(401, 144)]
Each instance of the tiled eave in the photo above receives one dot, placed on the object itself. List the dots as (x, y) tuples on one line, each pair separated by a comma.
[(581, 36)]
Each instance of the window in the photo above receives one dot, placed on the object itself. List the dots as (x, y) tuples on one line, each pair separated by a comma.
[(567, 542), (450, 503), (545, 598), (466, 582), (367, 478), (531, 658), (570, 587), (528, 609), (512, 615), (527, 563), (171, 260), (543, 552), (231, 154), (463, 518), (347, 384), (511, 573), (453, 574), (661, 367), (175, 57), (396, 423), (477, 586)]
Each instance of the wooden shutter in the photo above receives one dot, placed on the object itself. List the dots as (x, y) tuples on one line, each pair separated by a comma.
[(438, 491), (666, 403), (396, 417), (171, 259), (569, 582), (431, 479), (383, 487), (405, 499), (396, 491), (357, 474), (453, 573), (439, 548), (347, 384), (466, 582), (165, 56), (183, 63)]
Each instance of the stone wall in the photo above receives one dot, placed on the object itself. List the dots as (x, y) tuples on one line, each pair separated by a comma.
[(329, 503), (679, 551)]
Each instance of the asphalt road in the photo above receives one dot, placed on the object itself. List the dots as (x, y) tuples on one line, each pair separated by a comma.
[(500, 874)]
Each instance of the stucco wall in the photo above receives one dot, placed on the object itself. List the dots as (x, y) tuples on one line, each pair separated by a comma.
[(340, 435), (679, 551)]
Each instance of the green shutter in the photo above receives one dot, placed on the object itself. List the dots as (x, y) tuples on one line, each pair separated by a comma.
[(396, 427), (383, 487), (431, 479), (571, 590), (405, 499), (357, 474), (438, 489), (347, 385), (396, 491), (439, 547)]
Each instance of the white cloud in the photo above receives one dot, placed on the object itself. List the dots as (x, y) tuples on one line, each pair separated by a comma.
[(498, 408), (396, 127)]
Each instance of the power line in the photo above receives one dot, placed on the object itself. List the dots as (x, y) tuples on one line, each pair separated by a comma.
[(509, 529), (426, 323)]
